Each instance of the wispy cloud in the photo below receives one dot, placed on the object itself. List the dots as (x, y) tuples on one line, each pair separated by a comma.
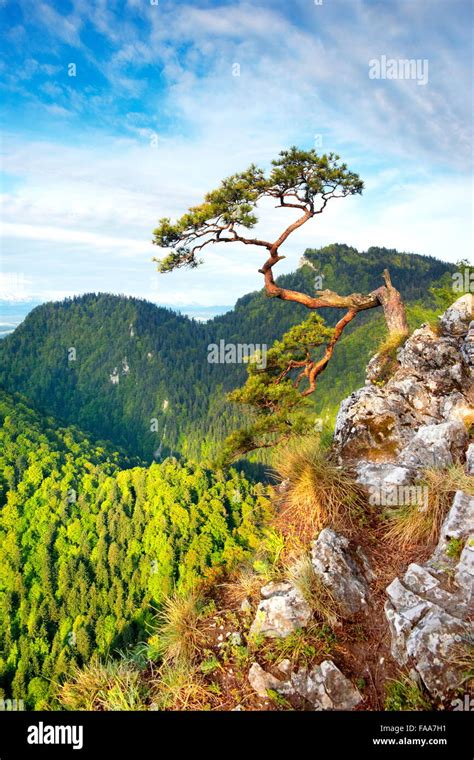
[(156, 116)]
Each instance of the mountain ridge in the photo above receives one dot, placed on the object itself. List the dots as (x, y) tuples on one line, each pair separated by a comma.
[(137, 374)]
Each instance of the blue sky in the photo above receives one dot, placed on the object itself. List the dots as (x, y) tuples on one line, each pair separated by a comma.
[(155, 116)]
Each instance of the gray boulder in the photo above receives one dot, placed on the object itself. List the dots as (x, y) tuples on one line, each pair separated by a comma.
[(467, 348), (430, 608), (262, 681), (343, 570), (435, 446), (456, 319), (470, 459), (323, 686), (458, 524), (388, 433), (383, 474), (282, 611)]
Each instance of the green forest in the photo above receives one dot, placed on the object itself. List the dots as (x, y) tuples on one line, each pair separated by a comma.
[(89, 545), (109, 504), (166, 397)]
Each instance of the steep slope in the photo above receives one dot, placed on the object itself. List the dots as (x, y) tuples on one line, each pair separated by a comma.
[(87, 549), (360, 596), (113, 365)]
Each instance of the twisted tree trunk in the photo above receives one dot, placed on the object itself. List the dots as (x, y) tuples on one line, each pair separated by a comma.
[(387, 296), (393, 307)]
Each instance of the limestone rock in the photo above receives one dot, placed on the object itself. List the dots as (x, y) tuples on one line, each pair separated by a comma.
[(429, 609), (464, 574), (467, 348), (285, 667), (425, 351), (323, 686), (282, 610), (435, 446), (431, 645), (470, 459), (383, 474), (388, 434), (456, 319), (261, 681), (345, 572), (459, 523)]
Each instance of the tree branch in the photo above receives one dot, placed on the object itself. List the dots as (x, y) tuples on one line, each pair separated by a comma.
[(292, 227), (320, 366)]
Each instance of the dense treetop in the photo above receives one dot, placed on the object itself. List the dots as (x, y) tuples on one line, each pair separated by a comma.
[(88, 550)]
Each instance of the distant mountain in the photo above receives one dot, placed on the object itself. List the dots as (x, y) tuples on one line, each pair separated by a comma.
[(138, 375), (114, 366)]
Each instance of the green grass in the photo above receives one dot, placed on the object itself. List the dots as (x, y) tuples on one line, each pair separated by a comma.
[(404, 694), (110, 686), (455, 547), (302, 646)]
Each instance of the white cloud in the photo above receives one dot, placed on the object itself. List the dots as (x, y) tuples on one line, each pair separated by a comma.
[(84, 211), (72, 237)]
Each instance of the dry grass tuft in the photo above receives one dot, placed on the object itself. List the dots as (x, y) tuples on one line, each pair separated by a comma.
[(245, 584), (322, 603), (421, 523), (319, 493), (461, 655), (179, 637), (109, 686), (179, 686)]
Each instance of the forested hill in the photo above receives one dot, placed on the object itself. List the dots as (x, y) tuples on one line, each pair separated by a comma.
[(136, 374), (115, 366), (341, 268), (88, 549)]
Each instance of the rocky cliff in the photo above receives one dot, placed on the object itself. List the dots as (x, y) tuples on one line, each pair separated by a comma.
[(419, 418), (388, 434)]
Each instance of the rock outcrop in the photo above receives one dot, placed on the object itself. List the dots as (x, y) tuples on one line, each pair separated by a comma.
[(388, 434), (282, 610), (323, 686), (429, 609), (343, 570)]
